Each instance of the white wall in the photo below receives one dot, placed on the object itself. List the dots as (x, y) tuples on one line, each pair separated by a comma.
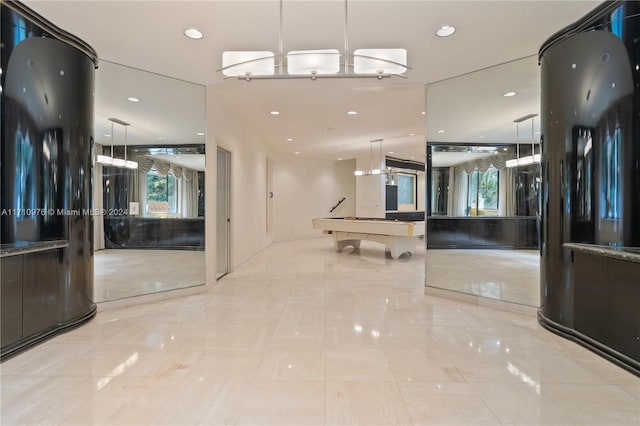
[(248, 186), (370, 191), (307, 188)]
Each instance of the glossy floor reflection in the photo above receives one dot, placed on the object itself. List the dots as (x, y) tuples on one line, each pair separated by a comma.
[(121, 273), (301, 335), (508, 275)]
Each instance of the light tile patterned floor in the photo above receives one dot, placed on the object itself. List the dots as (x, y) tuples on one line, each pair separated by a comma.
[(121, 273), (301, 335)]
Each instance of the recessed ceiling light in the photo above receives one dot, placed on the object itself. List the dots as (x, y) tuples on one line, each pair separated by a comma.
[(200, 134), (274, 112), (440, 131), (423, 113), (133, 99), (107, 135), (445, 31), (505, 149), (194, 34), (412, 157), (390, 152), (289, 140), (509, 94), (412, 134), (339, 158), (297, 152), (352, 112)]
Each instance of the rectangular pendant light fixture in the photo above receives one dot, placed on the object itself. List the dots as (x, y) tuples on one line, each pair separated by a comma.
[(249, 63), (113, 161), (529, 159), (380, 61), (118, 162), (523, 161), (104, 159), (130, 164), (312, 62), (380, 161), (329, 63)]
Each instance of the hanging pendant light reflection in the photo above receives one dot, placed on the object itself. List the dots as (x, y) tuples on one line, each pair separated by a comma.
[(121, 162), (529, 159)]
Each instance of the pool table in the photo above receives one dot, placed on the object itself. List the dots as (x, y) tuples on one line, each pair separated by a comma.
[(399, 236)]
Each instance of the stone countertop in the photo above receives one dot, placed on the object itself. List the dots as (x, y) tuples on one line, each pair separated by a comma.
[(24, 247), (630, 254)]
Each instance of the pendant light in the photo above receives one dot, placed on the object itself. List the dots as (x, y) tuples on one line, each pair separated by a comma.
[(313, 64), (529, 159), (122, 162), (371, 170), (106, 159)]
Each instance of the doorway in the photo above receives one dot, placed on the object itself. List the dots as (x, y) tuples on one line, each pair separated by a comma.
[(223, 217)]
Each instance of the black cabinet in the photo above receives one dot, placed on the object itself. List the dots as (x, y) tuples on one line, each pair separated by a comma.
[(11, 300), (144, 232), (41, 292), (32, 286), (622, 304), (590, 295), (606, 295), (482, 232)]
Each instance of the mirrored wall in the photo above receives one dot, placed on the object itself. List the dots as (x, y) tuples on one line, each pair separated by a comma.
[(483, 182), (148, 183)]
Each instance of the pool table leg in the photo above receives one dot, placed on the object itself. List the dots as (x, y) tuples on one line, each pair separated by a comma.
[(341, 244), (400, 245)]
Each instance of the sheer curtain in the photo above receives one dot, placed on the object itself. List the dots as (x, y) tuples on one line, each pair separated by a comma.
[(189, 193), (459, 206), (98, 203), (144, 165), (507, 192), (506, 198), (187, 181), (451, 192)]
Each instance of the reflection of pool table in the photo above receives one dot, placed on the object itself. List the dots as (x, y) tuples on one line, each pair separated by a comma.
[(399, 236)]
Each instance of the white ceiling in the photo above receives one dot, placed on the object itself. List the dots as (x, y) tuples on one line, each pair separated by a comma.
[(148, 35), (170, 111)]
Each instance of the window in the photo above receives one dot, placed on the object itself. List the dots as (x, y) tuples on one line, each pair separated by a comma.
[(611, 187), (162, 193), (401, 191), (482, 197), (406, 189)]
